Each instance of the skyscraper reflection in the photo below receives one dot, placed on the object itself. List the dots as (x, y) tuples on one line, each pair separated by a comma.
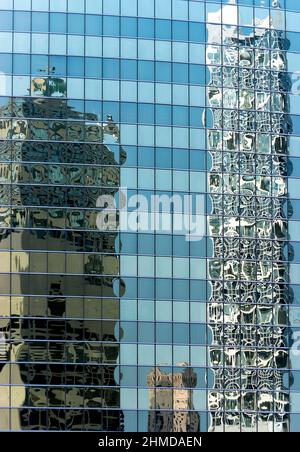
[(249, 106), (64, 306)]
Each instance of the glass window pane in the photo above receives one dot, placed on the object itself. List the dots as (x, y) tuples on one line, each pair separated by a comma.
[(5, 85), (93, 46), (58, 5), (76, 88), (22, 42), (22, 21), (76, 23), (21, 64), (6, 63), (58, 23), (93, 7), (39, 43), (93, 67), (21, 86), (75, 45), (163, 9), (76, 7), (6, 21), (93, 25), (76, 66), (93, 89), (180, 10), (22, 4), (7, 4), (40, 22), (111, 7)]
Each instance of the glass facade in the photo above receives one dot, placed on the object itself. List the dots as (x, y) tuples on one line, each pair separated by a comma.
[(140, 329)]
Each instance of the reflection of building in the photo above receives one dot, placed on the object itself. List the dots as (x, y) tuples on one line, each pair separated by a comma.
[(171, 401), (248, 186), (60, 271)]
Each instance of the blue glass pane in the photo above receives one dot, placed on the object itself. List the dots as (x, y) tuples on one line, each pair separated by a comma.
[(146, 113), (5, 20), (180, 73), (180, 31), (163, 72), (129, 27), (6, 63), (58, 23), (146, 157), (164, 289), (197, 74), (76, 66), (293, 41), (163, 114), (128, 69), (198, 249), (21, 64), (292, 5), (111, 68), (22, 21), (196, 117), (181, 292), (93, 25), (197, 160), (196, 32), (163, 29), (76, 23), (129, 243), (129, 113), (180, 116), (146, 28), (146, 244), (146, 70), (93, 67), (40, 22), (146, 288), (111, 26), (181, 161), (163, 158)]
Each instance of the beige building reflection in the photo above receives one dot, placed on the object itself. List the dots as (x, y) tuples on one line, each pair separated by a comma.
[(171, 406), (58, 353)]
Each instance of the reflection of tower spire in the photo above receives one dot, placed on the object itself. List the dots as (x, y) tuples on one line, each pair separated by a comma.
[(171, 406)]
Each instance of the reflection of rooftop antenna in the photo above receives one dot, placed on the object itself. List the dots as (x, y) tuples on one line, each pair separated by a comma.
[(49, 70)]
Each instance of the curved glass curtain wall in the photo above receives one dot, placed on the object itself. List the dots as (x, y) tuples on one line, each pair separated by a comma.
[(129, 331)]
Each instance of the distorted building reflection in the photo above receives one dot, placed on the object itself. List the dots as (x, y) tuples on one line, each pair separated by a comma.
[(62, 273), (171, 406), (248, 308)]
